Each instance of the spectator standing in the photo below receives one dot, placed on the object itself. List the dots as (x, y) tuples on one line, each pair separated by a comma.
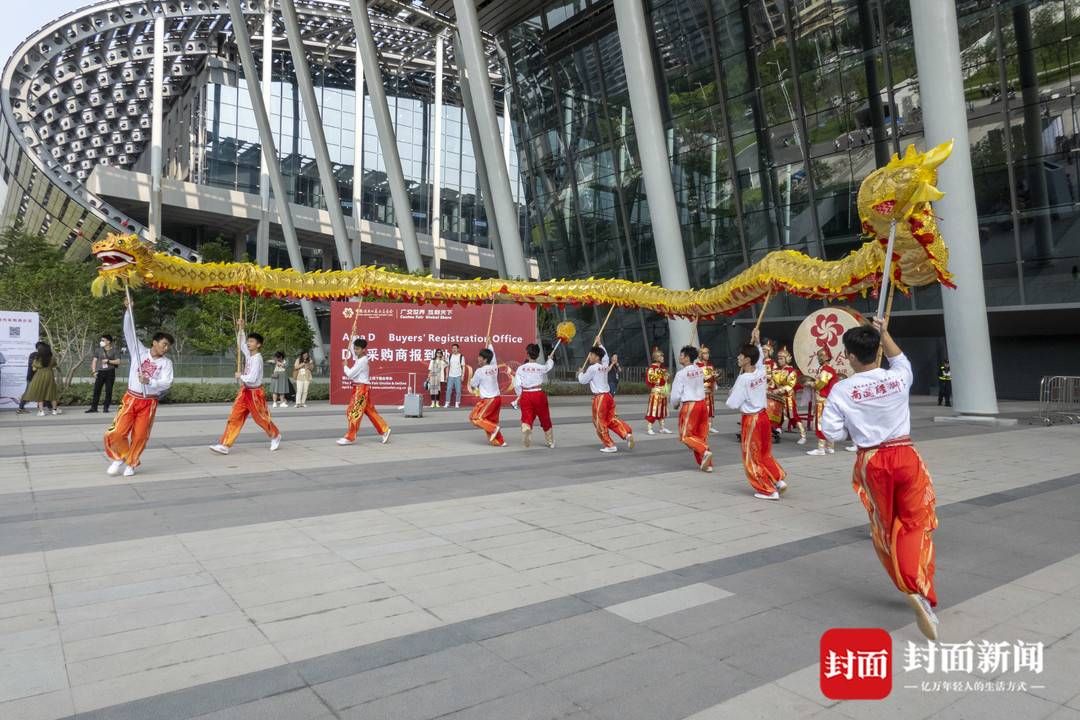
[(279, 381), (944, 393), (613, 374), (103, 368), (303, 369), (455, 372), (42, 388), (436, 372)]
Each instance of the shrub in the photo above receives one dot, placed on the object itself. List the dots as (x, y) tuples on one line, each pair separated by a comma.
[(181, 392)]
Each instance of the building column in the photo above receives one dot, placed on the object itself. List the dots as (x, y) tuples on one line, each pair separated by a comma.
[(475, 60), (358, 155), (266, 137), (941, 89), (494, 236), (436, 161), (317, 134), (507, 134), (652, 148), (262, 236), (414, 261), (156, 129)]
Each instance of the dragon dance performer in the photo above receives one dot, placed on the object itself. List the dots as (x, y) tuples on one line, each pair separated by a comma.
[(748, 397), (890, 478), (826, 378), (251, 400), (529, 382), (605, 420), (786, 381), (774, 403), (710, 385), (360, 405), (688, 395), (150, 375), (485, 414), (656, 378)]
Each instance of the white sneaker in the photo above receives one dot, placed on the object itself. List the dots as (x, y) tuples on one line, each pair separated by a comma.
[(706, 460), (56, 411), (345, 441), (457, 405), (831, 451), (924, 615), (714, 431), (41, 413), (114, 468), (386, 436), (781, 486), (526, 437), (220, 449), (514, 405), (630, 441), (852, 448), (494, 434), (801, 441), (609, 449), (708, 469), (763, 496), (816, 451), (274, 405), (665, 430), (651, 431), (129, 471), (284, 404), (275, 443)]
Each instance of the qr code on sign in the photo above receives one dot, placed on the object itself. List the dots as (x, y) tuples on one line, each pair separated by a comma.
[(14, 331)]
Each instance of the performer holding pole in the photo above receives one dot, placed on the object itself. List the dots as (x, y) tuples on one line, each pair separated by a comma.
[(656, 378), (360, 405), (748, 397), (485, 414), (251, 399), (786, 382), (872, 407), (150, 375), (826, 378), (594, 373), (688, 395), (709, 373)]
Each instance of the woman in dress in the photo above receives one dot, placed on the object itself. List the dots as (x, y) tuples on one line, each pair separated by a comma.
[(279, 380), (42, 388), (436, 370), (303, 369)]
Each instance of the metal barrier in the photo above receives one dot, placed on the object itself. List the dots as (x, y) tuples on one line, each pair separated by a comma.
[(1059, 399)]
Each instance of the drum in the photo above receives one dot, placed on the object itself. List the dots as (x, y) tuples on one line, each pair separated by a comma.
[(824, 328)]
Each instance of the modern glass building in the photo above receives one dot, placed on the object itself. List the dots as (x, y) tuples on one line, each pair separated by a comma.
[(771, 113)]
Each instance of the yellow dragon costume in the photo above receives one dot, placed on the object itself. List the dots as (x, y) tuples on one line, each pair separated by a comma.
[(901, 192)]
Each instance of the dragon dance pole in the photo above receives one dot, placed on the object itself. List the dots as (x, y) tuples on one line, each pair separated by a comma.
[(599, 334), (134, 350), (761, 315), (886, 274)]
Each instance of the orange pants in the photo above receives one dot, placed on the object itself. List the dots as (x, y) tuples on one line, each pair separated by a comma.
[(710, 401), (694, 427), (485, 415), (249, 401), (134, 418), (359, 406), (762, 470), (656, 409), (605, 420), (819, 407), (896, 490)]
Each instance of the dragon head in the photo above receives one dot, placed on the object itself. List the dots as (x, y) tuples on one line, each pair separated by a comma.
[(902, 192), (121, 257)]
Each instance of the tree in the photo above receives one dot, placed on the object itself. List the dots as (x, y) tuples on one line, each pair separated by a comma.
[(207, 324), (35, 277)]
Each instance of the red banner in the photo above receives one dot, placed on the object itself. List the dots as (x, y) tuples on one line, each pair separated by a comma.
[(402, 338)]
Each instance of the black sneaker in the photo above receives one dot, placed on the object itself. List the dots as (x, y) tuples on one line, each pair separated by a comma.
[(92, 410)]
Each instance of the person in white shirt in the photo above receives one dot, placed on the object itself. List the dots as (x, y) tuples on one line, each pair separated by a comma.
[(688, 396), (455, 371), (603, 404), (150, 375), (360, 405), (748, 396), (890, 478), (251, 399), (529, 380), (485, 414)]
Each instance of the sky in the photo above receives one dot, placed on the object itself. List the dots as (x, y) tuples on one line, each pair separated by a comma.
[(29, 18)]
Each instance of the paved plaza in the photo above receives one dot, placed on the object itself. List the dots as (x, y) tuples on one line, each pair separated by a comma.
[(437, 577)]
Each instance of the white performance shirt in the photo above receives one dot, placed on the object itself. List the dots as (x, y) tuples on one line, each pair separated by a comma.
[(358, 371), (532, 375), (159, 370), (688, 385), (253, 364), (486, 378), (748, 394), (870, 406), (455, 365), (595, 376)]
